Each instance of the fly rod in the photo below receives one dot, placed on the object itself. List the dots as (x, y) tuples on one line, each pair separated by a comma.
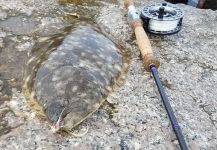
[(151, 63)]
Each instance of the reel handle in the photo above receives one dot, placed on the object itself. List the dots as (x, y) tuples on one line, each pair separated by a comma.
[(142, 39)]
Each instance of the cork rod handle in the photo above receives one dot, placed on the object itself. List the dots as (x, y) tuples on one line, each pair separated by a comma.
[(143, 41), (127, 3)]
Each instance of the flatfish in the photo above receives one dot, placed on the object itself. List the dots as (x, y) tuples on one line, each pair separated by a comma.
[(73, 74)]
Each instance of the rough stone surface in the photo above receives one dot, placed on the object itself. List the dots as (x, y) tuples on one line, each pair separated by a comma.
[(1, 85), (188, 71)]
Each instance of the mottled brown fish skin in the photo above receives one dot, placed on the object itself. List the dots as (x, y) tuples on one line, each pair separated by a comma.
[(77, 76)]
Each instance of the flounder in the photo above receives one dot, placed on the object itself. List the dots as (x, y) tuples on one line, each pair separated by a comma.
[(75, 78)]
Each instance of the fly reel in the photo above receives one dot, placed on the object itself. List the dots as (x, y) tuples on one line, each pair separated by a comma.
[(163, 18)]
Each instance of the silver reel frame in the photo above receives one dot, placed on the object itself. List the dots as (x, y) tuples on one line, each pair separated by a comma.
[(162, 13)]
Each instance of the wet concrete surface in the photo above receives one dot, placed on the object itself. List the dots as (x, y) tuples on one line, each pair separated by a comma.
[(188, 71)]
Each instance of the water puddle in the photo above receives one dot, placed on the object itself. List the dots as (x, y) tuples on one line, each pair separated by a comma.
[(19, 25)]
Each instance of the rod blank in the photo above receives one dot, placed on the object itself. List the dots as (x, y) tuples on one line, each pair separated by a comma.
[(169, 109)]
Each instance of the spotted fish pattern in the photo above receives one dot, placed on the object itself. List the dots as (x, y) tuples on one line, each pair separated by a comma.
[(77, 76)]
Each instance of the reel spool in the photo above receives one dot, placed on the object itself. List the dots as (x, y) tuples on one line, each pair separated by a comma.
[(162, 18)]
